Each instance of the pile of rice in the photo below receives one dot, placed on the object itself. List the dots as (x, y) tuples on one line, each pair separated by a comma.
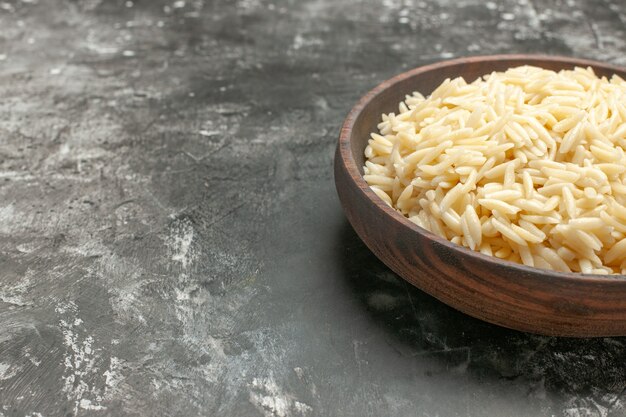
[(527, 165)]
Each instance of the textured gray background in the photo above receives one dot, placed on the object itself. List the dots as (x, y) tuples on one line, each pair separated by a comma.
[(170, 238)]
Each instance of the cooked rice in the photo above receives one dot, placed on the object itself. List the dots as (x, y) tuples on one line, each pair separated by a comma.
[(528, 165)]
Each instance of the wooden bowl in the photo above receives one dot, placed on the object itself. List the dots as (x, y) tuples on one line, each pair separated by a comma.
[(501, 292)]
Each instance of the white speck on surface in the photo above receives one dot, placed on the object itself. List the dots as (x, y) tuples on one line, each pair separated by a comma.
[(64, 149), (302, 408), (129, 4), (128, 53), (382, 301), (14, 294), (178, 4), (32, 360), (3, 57), (180, 244), (507, 16), (98, 48), (7, 371), (491, 5), (209, 133), (298, 41), (113, 375), (26, 247), (80, 360), (182, 295), (86, 404), (272, 401)]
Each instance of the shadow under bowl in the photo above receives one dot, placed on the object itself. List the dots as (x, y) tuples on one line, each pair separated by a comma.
[(500, 292)]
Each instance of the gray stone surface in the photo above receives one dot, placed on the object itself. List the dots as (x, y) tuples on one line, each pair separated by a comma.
[(170, 238)]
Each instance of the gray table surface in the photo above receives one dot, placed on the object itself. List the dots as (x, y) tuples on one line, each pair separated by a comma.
[(170, 238)]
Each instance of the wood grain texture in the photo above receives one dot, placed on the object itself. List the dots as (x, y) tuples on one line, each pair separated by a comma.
[(497, 291)]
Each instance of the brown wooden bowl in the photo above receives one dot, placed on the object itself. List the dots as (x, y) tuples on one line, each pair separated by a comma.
[(501, 292)]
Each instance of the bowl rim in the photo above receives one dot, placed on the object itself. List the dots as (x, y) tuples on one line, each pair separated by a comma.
[(345, 152)]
